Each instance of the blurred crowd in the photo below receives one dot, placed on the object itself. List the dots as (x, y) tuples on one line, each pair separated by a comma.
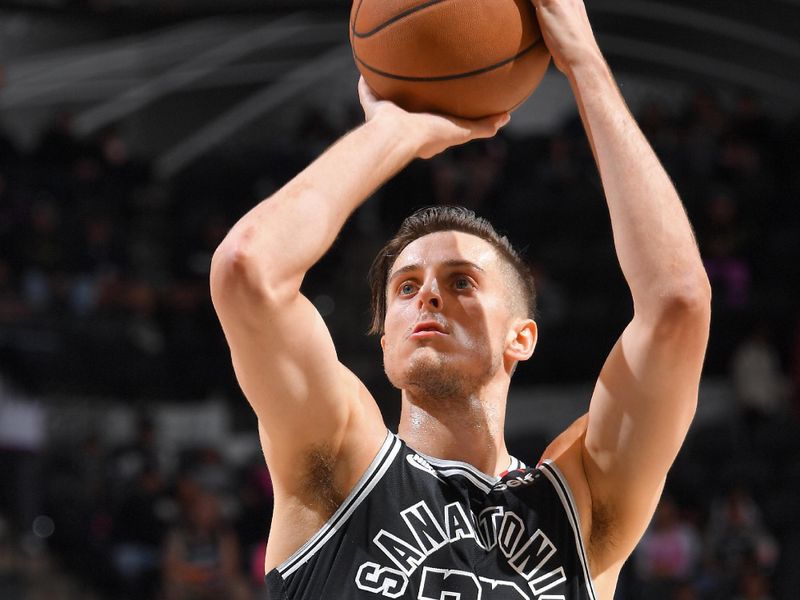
[(119, 524), (103, 268), (103, 292)]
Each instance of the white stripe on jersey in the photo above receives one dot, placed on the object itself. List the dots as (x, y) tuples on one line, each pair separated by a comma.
[(370, 478), (478, 478), (559, 483)]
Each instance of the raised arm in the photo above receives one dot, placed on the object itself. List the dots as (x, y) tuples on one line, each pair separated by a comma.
[(646, 395), (314, 414)]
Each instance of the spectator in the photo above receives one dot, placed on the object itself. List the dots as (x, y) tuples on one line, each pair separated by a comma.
[(201, 556), (138, 533), (753, 585), (132, 460), (760, 386), (42, 255), (723, 241), (668, 554), (253, 522), (737, 538), (12, 308), (22, 439)]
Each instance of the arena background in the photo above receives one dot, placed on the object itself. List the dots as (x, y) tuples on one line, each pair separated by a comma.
[(133, 133)]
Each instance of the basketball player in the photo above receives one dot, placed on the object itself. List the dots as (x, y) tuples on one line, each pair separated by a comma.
[(441, 511)]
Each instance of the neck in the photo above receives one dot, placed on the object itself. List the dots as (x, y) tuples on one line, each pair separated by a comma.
[(464, 429)]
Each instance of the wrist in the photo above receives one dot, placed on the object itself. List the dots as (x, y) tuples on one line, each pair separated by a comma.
[(397, 130), (590, 69), (592, 77)]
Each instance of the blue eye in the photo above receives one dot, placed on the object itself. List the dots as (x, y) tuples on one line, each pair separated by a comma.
[(407, 288), (462, 283)]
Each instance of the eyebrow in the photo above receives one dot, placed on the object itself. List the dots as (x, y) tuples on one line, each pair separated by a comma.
[(452, 263)]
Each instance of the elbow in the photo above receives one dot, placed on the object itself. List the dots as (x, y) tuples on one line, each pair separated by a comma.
[(684, 307), (238, 274), (691, 299)]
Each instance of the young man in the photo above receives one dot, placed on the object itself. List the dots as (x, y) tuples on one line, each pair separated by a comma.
[(446, 513)]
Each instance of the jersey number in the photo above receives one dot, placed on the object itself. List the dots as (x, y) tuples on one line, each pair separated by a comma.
[(442, 584)]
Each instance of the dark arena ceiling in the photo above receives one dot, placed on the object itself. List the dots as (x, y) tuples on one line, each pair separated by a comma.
[(736, 42), (111, 60)]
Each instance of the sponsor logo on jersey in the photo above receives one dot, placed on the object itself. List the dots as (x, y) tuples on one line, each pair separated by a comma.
[(514, 482)]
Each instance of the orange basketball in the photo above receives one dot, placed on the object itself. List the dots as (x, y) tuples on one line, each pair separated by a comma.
[(468, 58)]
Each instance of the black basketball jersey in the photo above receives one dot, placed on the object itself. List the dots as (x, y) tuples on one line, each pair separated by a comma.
[(420, 528)]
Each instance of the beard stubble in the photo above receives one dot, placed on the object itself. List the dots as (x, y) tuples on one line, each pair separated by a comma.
[(433, 378)]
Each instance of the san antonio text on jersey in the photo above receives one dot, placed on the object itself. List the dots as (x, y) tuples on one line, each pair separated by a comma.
[(420, 528)]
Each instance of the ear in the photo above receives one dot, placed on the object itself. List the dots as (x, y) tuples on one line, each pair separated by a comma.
[(522, 340), (383, 342)]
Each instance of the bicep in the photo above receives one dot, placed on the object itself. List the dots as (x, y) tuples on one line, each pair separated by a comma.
[(566, 439), (286, 364), (639, 415)]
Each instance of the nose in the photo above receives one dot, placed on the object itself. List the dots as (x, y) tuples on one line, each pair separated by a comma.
[(429, 297)]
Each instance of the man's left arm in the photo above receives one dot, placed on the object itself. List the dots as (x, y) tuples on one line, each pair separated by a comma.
[(646, 394)]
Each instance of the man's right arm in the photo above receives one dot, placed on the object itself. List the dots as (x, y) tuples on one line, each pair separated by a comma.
[(283, 355), (284, 358)]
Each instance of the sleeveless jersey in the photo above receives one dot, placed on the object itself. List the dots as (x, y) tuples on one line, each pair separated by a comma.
[(420, 528)]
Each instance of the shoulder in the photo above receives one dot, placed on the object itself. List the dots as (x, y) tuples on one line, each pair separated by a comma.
[(566, 454), (596, 521)]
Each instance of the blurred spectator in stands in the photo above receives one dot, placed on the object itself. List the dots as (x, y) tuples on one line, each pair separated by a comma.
[(144, 330), (210, 471), (138, 534), (124, 170), (193, 260), (201, 556), (668, 554), (753, 585), (12, 308), (133, 459), (255, 514), (685, 591), (742, 166), (723, 240), (702, 124), (760, 385), (737, 539), (740, 161), (79, 503), (98, 262), (22, 439), (42, 256), (750, 120)]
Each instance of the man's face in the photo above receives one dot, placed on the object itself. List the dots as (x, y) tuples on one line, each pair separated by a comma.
[(447, 315)]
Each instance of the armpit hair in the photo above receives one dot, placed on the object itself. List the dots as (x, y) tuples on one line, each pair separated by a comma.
[(319, 489), (602, 533)]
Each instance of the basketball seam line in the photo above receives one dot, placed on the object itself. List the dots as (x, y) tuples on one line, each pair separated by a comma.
[(449, 77), (394, 19)]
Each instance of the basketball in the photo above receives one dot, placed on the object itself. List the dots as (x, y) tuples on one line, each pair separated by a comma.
[(466, 58)]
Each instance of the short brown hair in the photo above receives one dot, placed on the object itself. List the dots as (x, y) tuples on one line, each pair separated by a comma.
[(444, 218)]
